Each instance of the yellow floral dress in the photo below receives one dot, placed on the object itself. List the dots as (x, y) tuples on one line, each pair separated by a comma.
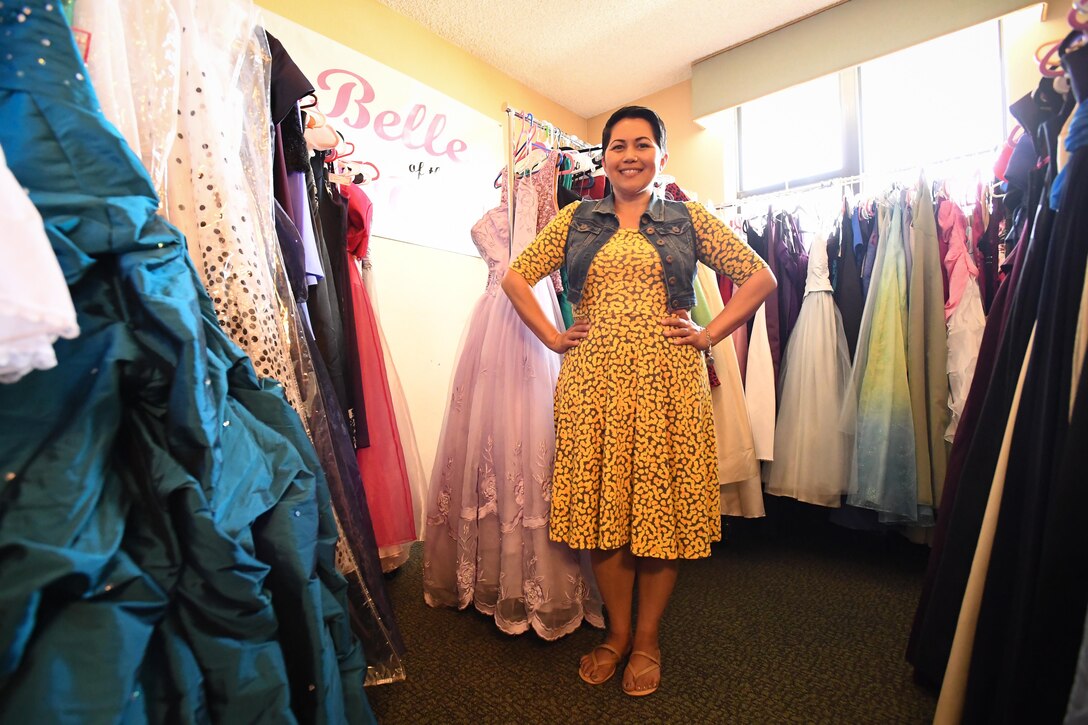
[(635, 449)]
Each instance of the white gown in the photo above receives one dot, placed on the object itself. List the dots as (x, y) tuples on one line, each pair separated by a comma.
[(812, 453), (35, 306), (759, 390), (134, 60), (738, 467), (964, 316)]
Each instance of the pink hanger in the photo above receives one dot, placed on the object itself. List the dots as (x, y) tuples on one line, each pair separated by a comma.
[(521, 144), (1047, 67), (1079, 8), (335, 154)]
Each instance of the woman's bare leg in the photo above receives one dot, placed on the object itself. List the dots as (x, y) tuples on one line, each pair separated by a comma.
[(656, 579), (615, 573)]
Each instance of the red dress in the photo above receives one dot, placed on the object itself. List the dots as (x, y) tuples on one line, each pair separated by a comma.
[(384, 474)]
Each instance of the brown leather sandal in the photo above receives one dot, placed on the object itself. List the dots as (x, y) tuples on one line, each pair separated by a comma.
[(655, 664), (597, 664)]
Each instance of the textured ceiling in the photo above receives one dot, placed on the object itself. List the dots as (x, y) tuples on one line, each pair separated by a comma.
[(591, 57)]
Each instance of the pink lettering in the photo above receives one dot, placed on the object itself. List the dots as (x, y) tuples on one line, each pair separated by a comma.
[(384, 120), (388, 123), (412, 121), (343, 96), (455, 147)]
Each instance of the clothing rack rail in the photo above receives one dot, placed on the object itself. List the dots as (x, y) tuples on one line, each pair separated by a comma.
[(512, 113), (844, 181)]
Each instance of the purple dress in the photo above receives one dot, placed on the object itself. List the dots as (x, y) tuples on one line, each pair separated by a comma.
[(486, 539)]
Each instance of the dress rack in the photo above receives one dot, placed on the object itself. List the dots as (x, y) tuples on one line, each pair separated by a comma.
[(845, 181), (570, 140)]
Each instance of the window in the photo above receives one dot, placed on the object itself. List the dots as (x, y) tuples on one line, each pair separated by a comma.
[(939, 100), (792, 136), (932, 102)]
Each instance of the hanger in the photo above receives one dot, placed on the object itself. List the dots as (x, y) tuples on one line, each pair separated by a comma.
[(350, 172), (583, 159), (335, 152), (1049, 67), (520, 144), (1074, 17), (534, 163), (323, 138), (313, 100), (314, 117)]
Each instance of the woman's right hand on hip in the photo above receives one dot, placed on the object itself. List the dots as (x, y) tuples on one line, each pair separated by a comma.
[(571, 337)]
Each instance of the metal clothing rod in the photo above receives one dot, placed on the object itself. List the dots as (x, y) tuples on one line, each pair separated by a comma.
[(847, 180), (525, 116), (569, 139), (510, 179)]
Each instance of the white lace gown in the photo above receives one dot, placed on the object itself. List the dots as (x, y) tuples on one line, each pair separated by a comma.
[(811, 452), (35, 306)]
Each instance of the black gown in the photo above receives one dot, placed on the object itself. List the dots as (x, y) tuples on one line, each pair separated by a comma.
[(848, 297), (964, 501), (1033, 605)]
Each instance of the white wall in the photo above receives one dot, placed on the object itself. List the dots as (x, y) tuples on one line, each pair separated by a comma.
[(423, 297)]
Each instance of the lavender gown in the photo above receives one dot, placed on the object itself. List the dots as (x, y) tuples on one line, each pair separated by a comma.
[(486, 539)]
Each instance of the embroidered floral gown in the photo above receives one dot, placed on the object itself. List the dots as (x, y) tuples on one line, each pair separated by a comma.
[(486, 539)]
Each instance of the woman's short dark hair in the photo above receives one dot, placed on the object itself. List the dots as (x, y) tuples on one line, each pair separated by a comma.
[(642, 112)]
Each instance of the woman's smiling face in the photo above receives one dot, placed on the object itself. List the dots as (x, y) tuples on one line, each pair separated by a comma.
[(633, 159)]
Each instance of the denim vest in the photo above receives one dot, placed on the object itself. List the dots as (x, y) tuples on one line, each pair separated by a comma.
[(667, 224)]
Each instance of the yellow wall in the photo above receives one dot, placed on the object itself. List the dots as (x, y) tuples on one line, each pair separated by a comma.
[(1023, 33), (696, 154)]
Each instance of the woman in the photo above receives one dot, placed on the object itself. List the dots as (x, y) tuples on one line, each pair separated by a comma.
[(635, 465)]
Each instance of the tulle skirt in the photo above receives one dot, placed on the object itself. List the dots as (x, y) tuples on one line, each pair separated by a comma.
[(396, 555), (811, 462), (381, 464), (486, 539)]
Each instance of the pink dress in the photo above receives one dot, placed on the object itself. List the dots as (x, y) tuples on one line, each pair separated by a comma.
[(964, 316), (381, 464)]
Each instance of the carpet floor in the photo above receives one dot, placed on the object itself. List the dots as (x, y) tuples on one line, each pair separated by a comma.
[(791, 620)]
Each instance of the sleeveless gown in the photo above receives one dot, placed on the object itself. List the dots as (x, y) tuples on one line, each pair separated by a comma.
[(486, 538), (811, 451)]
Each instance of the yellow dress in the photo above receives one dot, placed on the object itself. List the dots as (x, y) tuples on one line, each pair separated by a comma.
[(635, 458)]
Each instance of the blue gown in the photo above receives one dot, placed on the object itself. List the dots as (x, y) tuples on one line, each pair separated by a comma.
[(884, 470), (166, 537)]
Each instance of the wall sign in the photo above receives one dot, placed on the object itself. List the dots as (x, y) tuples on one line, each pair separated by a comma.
[(438, 157)]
